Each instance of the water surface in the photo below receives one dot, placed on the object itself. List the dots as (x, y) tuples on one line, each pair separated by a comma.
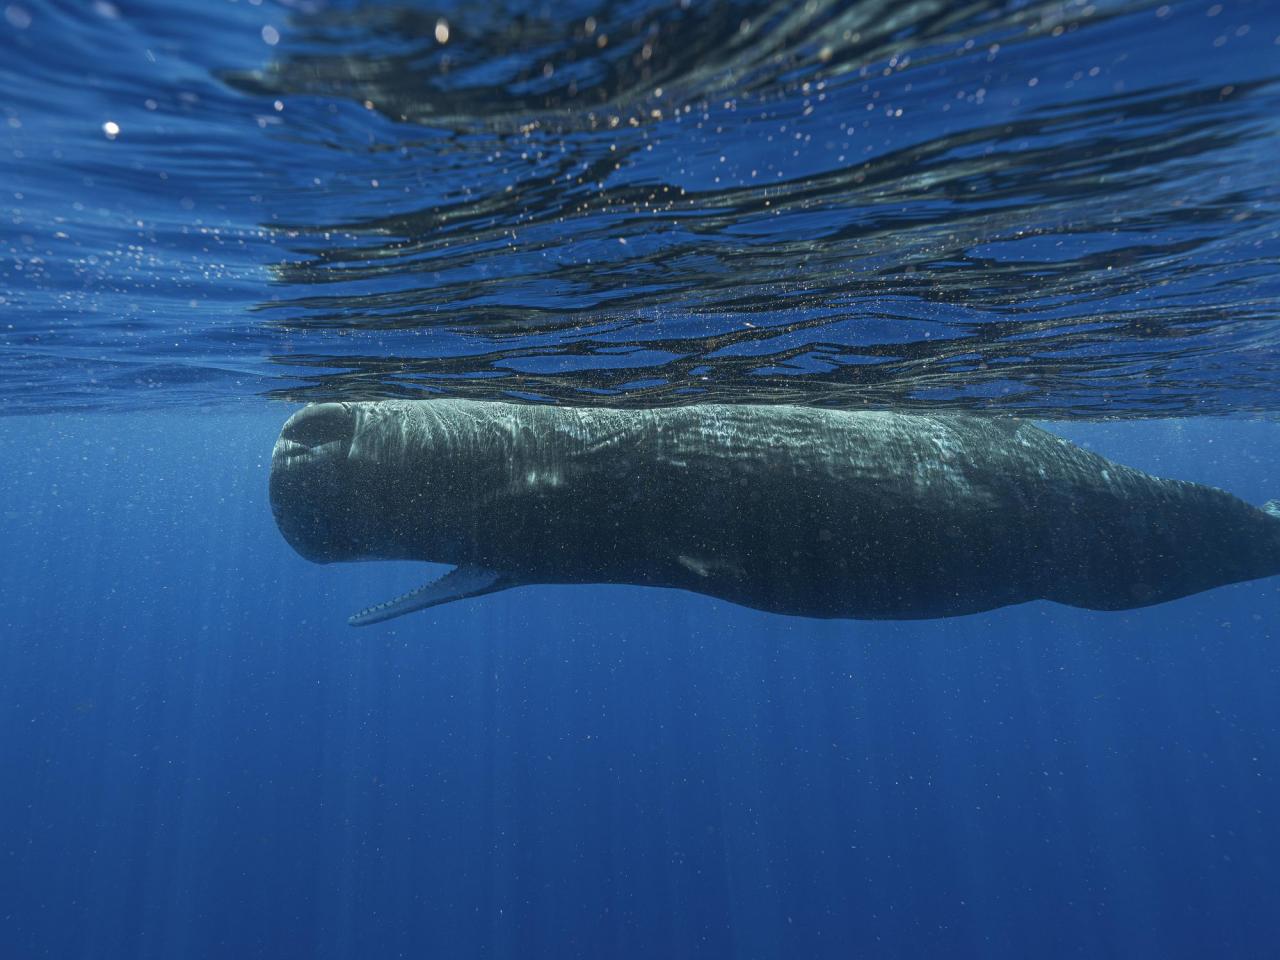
[(1066, 209)]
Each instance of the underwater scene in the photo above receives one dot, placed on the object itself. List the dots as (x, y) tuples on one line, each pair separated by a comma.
[(639, 478)]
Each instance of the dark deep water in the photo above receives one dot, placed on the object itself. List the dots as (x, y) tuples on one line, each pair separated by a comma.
[(201, 759), (210, 212)]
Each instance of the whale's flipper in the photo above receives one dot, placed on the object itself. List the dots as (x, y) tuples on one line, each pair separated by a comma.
[(1272, 507), (458, 584)]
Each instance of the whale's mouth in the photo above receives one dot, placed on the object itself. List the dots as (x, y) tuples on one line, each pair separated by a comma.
[(308, 487)]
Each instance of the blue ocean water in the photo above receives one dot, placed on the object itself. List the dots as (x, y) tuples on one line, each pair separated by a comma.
[(212, 212)]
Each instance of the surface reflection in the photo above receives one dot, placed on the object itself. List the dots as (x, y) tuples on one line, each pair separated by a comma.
[(1026, 206)]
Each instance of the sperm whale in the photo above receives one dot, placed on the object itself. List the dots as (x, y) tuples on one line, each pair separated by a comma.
[(818, 513)]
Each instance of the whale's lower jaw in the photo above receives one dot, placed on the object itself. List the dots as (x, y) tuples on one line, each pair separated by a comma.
[(459, 584)]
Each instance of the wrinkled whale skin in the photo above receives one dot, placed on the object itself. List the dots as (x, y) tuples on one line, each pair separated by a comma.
[(819, 513)]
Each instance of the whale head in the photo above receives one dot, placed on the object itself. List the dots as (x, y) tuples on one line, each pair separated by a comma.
[(366, 481), (313, 478)]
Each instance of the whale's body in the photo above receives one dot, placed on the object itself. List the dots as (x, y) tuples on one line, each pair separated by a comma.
[(875, 515)]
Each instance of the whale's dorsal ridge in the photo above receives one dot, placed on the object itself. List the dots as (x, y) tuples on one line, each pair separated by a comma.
[(458, 584)]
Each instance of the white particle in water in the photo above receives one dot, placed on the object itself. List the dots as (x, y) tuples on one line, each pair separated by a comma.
[(111, 129), (442, 31), (17, 16), (270, 35)]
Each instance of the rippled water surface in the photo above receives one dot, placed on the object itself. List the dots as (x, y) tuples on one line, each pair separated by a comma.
[(1065, 208)]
